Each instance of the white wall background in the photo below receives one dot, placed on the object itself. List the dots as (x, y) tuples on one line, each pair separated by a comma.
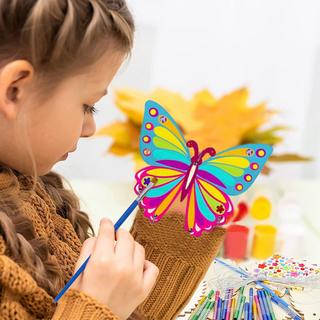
[(272, 47)]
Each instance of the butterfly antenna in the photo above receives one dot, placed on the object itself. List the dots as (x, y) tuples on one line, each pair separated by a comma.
[(210, 151), (192, 144)]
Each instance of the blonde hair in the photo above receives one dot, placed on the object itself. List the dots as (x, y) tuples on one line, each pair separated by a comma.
[(59, 38)]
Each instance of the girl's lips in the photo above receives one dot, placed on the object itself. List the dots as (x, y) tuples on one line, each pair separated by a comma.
[(65, 156)]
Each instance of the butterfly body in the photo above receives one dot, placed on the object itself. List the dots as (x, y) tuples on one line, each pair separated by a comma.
[(196, 160), (205, 179)]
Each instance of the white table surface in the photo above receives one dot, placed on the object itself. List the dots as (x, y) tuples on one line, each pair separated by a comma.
[(103, 199)]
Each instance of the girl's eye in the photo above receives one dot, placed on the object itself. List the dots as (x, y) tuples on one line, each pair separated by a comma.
[(89, 109)]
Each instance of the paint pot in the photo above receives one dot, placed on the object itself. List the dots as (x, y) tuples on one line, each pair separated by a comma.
[(236, 242)]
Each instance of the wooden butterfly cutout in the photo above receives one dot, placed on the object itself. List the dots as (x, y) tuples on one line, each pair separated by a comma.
[(206, 183)]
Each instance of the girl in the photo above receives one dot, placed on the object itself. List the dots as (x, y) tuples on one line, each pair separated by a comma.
[(57, 57)]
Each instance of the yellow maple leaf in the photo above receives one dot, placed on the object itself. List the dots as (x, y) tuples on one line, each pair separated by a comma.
[(131, 103), (220, 123), (125, 137), (226, 121)]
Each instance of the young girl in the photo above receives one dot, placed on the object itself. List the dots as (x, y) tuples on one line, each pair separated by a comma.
[(57, 57)]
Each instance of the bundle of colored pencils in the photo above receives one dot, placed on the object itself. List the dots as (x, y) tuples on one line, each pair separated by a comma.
[(257, 306), (204, 307), (264, 291)]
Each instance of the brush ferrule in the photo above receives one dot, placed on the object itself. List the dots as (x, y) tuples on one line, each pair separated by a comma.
[(144, 191)]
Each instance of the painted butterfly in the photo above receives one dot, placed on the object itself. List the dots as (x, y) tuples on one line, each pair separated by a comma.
[(206, 184)]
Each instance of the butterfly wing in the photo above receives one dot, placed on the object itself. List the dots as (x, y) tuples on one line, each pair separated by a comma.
[(161, 141), (230, 172), (236, 168), (162, 146), (207, 207), (159, 199)]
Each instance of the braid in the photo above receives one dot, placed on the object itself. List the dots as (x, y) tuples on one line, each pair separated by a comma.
[(68, 205), (23, 245), (25, 248)]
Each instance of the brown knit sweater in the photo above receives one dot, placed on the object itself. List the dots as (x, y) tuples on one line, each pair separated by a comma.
[(181, 258)]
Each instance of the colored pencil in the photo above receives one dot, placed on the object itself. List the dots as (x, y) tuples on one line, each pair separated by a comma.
[(262, 306), (255, 311), (237, 308), (202, 300), (203, 305), (215, 311), (250, 303), (226, 304), (246, 311), (204, 313), (268, 301), (233, 305), (280, 302), (229, 302), (259, 312), (220, 313), (287, 309), (242, 302)]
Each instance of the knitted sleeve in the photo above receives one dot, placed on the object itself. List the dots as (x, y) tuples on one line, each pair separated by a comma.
[(76, 305), (22, 299), (181, 258)]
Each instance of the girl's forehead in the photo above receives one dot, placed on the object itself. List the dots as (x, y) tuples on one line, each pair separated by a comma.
[(103, 70)]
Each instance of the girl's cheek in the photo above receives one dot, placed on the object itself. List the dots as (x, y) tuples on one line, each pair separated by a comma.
[(72, 130)]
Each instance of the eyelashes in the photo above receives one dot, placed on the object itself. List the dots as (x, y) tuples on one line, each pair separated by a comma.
[(91, 109)]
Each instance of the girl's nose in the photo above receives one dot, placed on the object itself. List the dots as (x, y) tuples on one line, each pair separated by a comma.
[(89, 127)]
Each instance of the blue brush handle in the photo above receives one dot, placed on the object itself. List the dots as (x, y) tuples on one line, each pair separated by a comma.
[(125, 215), (118, 224)]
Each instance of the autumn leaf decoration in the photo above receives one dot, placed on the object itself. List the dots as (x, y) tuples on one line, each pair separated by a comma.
[(219, 123)]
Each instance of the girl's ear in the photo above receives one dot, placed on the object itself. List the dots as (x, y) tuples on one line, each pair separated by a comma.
[(15, 80)]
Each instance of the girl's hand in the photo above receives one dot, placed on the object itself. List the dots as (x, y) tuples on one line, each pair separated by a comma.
[(117, 274)]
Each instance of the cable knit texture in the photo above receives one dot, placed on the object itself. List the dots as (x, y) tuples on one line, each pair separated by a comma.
[(181, 258)]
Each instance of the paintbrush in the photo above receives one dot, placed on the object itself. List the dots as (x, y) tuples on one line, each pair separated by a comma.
[(117, 225)]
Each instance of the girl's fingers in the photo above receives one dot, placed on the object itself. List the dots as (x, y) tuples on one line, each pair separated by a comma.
[(124, 247), (86, 251), (104, 246), (139, 258), (150, 275)]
